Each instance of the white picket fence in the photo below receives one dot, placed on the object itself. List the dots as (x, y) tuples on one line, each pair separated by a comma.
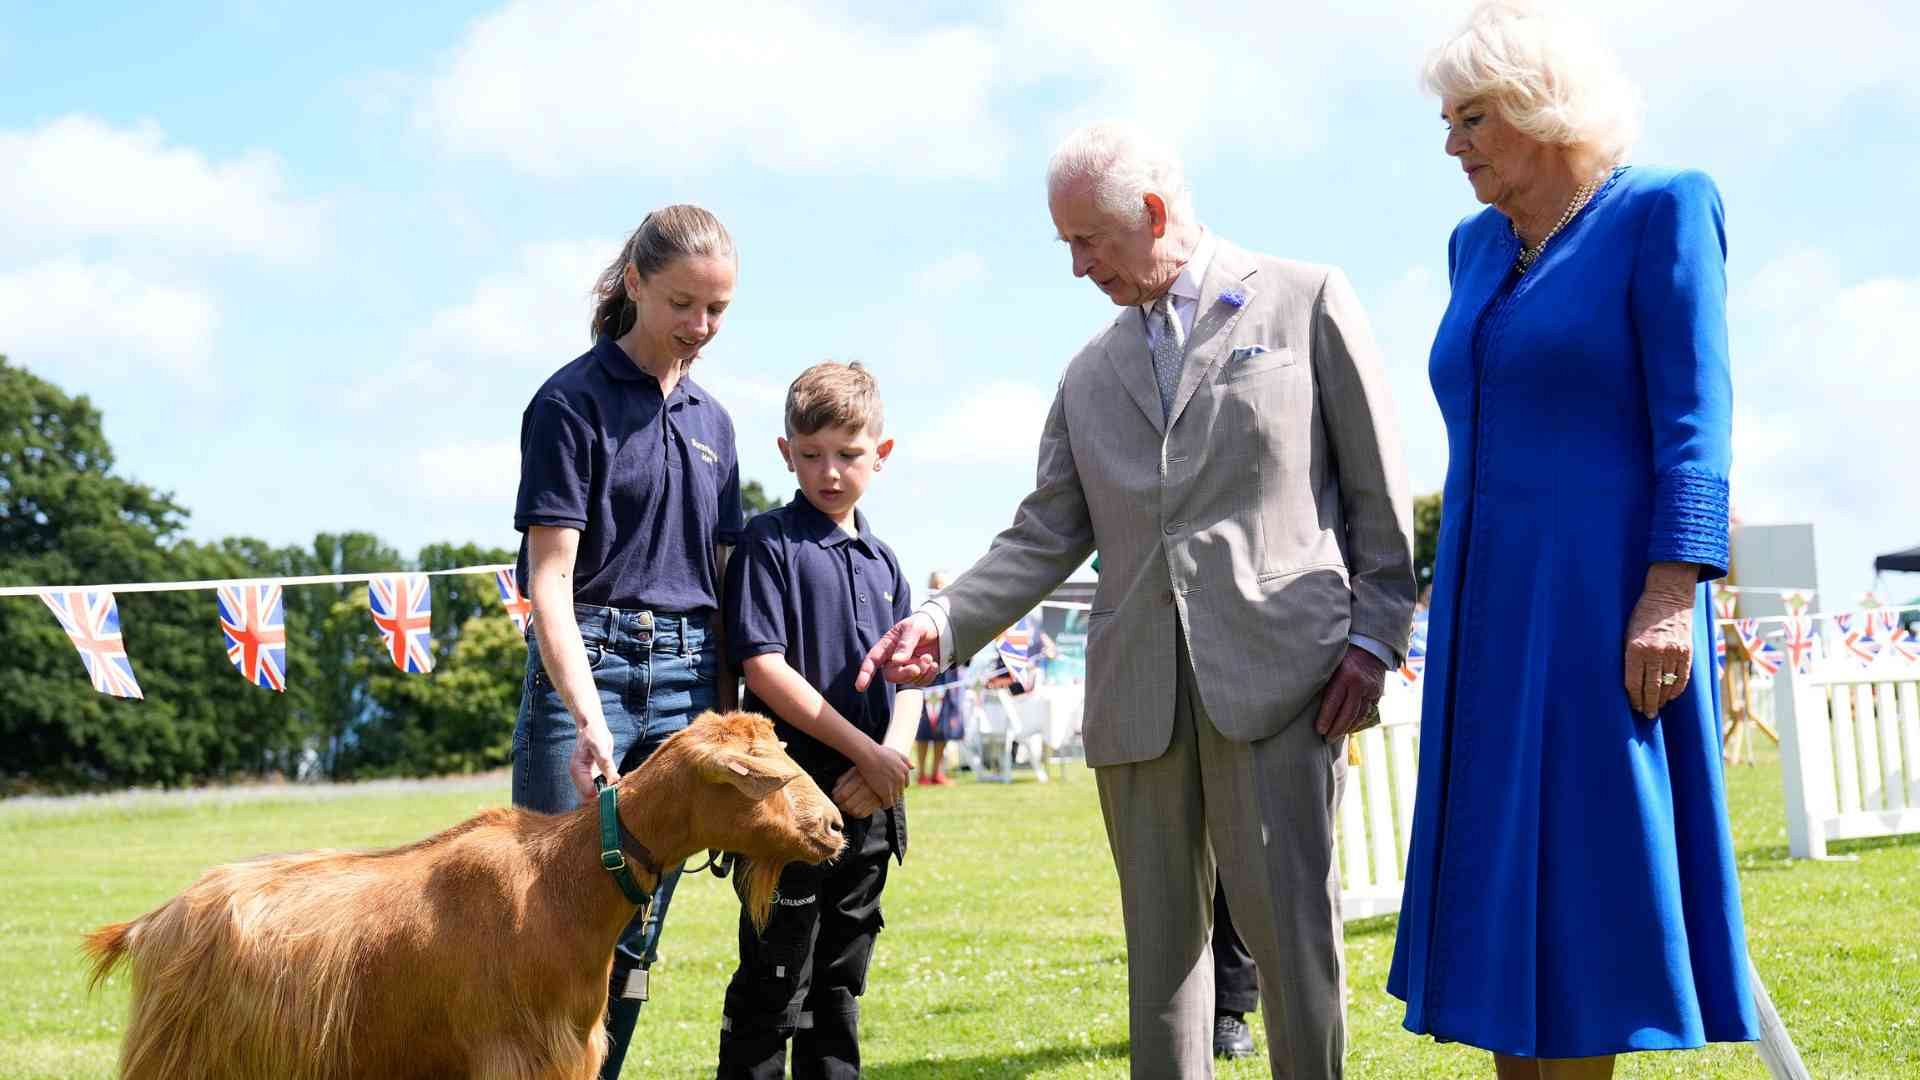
[(1375, 822), (1376, 810), (1849, 754)]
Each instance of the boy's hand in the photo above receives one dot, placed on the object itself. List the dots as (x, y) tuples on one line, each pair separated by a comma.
[(885, 771), (854, 797)]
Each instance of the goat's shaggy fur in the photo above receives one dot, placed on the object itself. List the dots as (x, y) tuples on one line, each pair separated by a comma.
[(482, 951)]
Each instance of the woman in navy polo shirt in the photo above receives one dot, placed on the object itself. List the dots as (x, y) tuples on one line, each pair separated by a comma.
[(629, 499)]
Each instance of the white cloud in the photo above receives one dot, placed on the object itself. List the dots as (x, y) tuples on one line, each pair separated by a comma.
[(1404, 316), (807, 88), (515, 328), (94, 321), (960, 271), (998, 424), (78, 176), (1826, 386), (485, 471), (619, 85), (532, 312)]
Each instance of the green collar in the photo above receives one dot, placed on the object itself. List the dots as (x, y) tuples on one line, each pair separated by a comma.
[(615, 842)]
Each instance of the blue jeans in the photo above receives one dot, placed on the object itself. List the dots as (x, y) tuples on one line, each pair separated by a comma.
[(655, 673)]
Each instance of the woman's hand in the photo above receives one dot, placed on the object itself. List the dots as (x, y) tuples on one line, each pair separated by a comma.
[(1659, 657), (592, 753)]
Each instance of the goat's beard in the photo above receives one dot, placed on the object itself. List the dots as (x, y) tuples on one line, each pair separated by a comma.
[(756, 880)]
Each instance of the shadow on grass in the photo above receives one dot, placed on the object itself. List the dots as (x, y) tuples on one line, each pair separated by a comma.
[(1777, 857), (998, 1064)]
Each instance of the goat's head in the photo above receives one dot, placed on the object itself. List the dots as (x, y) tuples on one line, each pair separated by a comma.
[(747, 796)]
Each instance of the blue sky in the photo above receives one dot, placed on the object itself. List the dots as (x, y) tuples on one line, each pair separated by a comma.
[(312, 263)]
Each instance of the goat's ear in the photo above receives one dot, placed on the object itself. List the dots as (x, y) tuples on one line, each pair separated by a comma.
[(751, 775)]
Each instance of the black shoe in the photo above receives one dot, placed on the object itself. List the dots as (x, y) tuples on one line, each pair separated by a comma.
[(1231, 1037)]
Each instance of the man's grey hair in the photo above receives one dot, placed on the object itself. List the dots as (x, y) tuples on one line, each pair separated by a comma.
[(1122, 164)]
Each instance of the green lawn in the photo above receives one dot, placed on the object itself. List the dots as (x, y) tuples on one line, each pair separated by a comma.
[(1003, 954)]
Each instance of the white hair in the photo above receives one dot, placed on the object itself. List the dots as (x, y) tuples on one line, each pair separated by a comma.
[(1122, 164), (1549, 76)]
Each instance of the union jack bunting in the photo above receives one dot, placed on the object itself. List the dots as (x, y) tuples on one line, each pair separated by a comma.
[(92, 622), (1904, 644), (403, 610), (1016, 648), (1857, 637), (1800, 642), (519, 608), (934, 698), (1764, 655), (1725, 602), (254, 620), (1416, 663), (1796, 601), (1719, 648)]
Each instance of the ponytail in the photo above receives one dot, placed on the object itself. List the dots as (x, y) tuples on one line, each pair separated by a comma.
[(667, 234)]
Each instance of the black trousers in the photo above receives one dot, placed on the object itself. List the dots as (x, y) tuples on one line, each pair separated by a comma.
[(801, 979), (1236, 982)]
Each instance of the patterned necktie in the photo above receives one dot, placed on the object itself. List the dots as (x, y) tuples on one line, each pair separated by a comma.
[(1168, 354)]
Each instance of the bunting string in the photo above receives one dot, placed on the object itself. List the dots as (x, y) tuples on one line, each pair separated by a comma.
[(221, 583), (252, 619)]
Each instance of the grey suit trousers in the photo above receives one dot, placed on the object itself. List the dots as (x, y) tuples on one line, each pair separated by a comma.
[(1262, 812)]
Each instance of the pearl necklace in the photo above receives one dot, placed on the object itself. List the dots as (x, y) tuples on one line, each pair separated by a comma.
[(1581, 195)]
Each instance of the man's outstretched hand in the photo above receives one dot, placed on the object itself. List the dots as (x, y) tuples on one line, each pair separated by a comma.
[(908, 654)]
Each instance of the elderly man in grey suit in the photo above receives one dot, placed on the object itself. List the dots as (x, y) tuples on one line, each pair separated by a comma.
[(1228, 446)]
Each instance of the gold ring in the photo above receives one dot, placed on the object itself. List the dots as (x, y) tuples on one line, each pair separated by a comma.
[(1669, 679)]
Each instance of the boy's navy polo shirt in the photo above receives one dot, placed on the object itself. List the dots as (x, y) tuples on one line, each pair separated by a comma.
[(802, 586), (652, 483)]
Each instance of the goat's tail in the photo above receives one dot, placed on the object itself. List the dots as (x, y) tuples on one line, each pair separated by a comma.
[(109, 946)]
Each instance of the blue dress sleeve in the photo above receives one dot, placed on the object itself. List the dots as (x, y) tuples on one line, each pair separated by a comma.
[(1679, 298)]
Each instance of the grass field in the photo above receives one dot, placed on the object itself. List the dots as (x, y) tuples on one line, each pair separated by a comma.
[(1003, 955)]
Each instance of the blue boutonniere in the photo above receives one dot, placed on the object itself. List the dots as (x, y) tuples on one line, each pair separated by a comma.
[(1234, 296)]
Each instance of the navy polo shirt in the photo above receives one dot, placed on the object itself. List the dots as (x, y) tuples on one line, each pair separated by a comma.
[(802, 586), (651, 482)]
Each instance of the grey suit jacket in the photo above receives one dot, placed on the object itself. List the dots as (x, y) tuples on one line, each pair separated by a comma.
[(1271, 511)]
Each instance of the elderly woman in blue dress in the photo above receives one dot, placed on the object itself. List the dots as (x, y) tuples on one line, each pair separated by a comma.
[(1570, 887)]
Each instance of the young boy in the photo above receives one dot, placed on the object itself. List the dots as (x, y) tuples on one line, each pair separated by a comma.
[(809, 590)]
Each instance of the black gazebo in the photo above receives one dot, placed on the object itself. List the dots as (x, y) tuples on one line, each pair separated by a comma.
[(1907, 561)]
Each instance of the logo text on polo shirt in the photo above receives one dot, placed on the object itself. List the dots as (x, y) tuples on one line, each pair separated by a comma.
[(707, 453)]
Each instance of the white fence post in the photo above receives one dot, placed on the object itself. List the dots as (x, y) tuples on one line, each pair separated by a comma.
[(1806, 763), (1850, 754)]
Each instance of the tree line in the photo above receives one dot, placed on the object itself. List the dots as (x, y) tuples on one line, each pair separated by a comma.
[(69, 516)]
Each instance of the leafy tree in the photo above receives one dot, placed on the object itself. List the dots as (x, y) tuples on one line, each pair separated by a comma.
[(460, 718), (755, 500), (1426, 536), (66, 517), (335, 633)]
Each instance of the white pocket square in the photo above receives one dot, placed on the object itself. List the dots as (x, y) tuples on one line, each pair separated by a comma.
[(1245, 351)]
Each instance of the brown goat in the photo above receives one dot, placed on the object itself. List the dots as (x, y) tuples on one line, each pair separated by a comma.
[(482, 952)]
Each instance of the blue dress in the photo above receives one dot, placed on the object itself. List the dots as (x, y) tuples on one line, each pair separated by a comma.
[(1570, 887)]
